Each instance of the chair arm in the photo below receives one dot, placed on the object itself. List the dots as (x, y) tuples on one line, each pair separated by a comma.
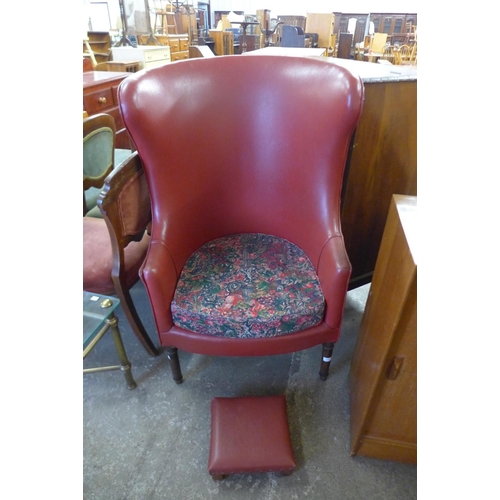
[(334, 272), (159, 276)]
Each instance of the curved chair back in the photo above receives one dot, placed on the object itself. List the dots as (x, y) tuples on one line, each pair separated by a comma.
[(388, 54), (292, 36), (243, 144), (99, 134)]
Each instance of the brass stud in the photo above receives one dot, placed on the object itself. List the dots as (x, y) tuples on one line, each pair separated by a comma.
[(106, 303)]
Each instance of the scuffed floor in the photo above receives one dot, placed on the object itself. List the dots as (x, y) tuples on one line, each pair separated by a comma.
[(152, 442)]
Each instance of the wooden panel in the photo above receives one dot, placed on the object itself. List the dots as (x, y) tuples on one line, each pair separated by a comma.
[(345, 43), (224, 42), (383, 162), (383, 376), (323, 25)]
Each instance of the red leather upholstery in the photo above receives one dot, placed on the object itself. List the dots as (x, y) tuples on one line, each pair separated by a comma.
[(249, 434), (238, 144)]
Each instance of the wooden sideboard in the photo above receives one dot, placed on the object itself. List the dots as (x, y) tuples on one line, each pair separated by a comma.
[(100, 96), (383, 375), (383, 160)]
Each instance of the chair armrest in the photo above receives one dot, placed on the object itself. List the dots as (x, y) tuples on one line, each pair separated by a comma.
[(334, 272), (159, 276)]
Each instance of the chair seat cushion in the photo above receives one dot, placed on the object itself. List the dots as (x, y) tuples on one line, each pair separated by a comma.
[(248, 286), (98, 257)]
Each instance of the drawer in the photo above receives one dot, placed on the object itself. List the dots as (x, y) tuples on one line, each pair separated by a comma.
[(98, 102), (184, 44), (157, 55), (174, 46), (179, 56), (155, 64)]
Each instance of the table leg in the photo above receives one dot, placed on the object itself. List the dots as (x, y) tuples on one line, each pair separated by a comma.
[(125, 365)]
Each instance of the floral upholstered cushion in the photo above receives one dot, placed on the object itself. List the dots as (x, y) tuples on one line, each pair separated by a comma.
[(248, 286)]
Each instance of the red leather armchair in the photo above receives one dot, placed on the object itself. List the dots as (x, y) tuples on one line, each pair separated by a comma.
[(244, 145)]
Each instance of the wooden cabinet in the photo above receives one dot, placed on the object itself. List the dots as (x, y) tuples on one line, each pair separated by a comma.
[(383, 375), (149, 56), (383, 161), (223, 42), (342, 23), (100, 95), (179, 47), (178, 44), (395, 25)]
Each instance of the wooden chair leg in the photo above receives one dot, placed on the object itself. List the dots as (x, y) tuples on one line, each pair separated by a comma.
[(175, 365), (135, 322), (326, 358)]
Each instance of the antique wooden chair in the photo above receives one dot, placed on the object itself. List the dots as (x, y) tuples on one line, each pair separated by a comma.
[(99, 135), (388, 54), (246, 256), (115, 246), (403, 55)]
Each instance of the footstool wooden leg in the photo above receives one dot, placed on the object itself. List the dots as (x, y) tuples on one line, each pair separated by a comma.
[(219, 477)]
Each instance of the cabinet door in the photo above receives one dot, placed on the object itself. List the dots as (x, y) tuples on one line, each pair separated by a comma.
[(383, 376), (387, 24), (376, 19), (399, 24)]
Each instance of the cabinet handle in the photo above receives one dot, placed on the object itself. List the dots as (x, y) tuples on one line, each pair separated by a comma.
[(394, 368), (102, 100)]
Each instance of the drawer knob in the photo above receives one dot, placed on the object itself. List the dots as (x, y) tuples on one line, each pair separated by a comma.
[(102, 100)]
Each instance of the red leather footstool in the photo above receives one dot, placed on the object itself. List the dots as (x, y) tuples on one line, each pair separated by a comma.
[(249, 434)]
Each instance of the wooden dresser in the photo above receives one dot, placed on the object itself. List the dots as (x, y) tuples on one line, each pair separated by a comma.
[(100, 96), (149, 56), (383, 375)]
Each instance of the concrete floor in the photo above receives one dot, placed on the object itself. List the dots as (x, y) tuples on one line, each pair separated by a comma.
[(152, 442)]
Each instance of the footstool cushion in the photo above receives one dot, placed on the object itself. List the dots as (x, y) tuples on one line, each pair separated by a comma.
[(249, 434)]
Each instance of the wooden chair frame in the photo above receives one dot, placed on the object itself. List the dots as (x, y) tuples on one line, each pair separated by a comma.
[(125, 195)]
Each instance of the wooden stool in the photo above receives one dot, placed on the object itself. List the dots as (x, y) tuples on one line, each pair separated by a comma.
[(124, 66), (249, 434)]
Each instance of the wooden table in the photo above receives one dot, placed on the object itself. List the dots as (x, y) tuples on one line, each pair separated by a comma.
[(383, 375), (372, 56)]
